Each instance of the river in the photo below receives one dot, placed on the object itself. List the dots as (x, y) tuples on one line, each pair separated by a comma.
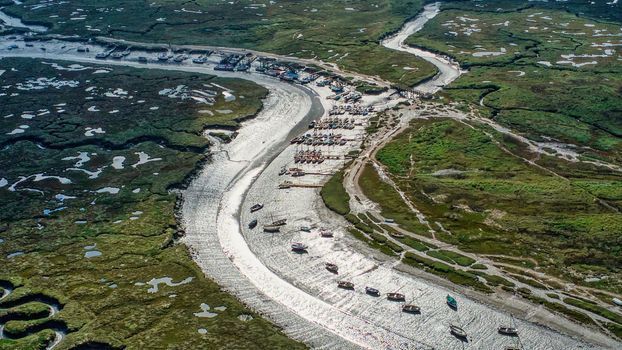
[(294, 290)]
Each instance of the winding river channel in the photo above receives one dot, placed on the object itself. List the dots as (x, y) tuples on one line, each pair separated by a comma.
[(294, 290)]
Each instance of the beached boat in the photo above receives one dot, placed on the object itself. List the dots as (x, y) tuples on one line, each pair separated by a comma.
[(299, 247), (199, 60), (396, 235), (396, 296), (345, 285), (457, 331), (372, 291), (411, 309), (305, 229), (142, 59), (505, 330), (279, 222), (164, 56), (256, 207), (180, 58), (332, 268), (326, 233), (452, 302), (271, 228), (252, 224)]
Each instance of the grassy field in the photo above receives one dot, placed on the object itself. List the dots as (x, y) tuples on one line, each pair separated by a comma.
[(344, 32), (494, 203), (95, 229), (548, 74)]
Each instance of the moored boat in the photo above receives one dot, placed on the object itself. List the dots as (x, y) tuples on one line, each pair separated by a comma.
[(279, 222), (345, 285), (271, 228), (396, 296), (457, 331), (332, 268), (506, 330), (299, 247), (256, 207), (372, 291), (326, 233), (452, 302), (411, 309)]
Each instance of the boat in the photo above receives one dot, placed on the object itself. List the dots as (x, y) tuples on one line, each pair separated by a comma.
[(457, 331), (283, 171), (252, 224), (396, 235), (452, 302), (411, 309), (506, 330), (299, 247), (117, 55), (271, 228), (285, 185), (326, 233), (164, 56), (142, 59), (200, 60), (256, 207), (305, 229), (180, 58), (332, 268), (396, 296), (279, 222), (511, 348), (345, 285), (372, 291), (101, 55)]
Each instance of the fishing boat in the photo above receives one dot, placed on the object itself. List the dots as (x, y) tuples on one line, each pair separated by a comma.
[(279, 222), (396, 296), (345, 285), (256, 207), (271, 228), (372, 291), (506, 330), (332, 268), (299, 247), (452, 302), (457, 331), (411, 309), (252, 224)]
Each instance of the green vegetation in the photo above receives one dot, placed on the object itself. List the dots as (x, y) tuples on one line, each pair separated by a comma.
[(103, 226), (390, 202), (342, 32), (335, 196), (493, 203), (443, 270), (599, 310)]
